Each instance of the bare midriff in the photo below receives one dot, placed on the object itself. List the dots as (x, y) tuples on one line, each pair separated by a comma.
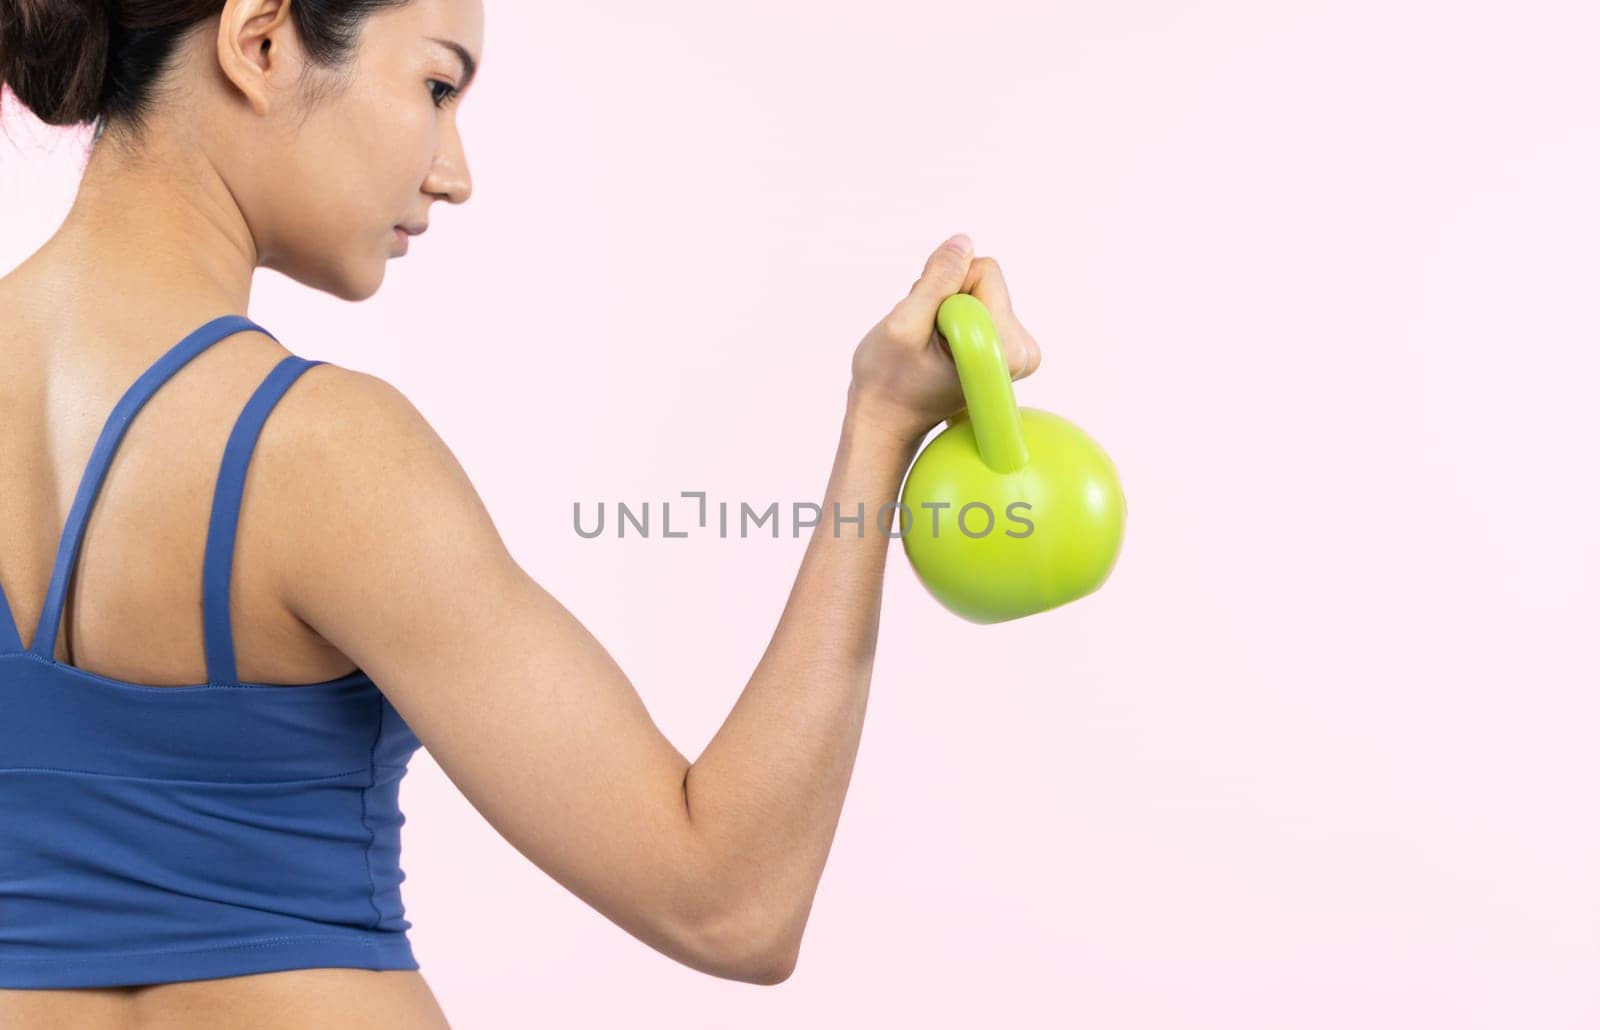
[(351, 999)]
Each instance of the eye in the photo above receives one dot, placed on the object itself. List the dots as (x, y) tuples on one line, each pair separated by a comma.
[(443, 96)]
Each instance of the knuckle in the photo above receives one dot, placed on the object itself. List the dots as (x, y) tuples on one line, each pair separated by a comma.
[(900, 326), (1022, 354)]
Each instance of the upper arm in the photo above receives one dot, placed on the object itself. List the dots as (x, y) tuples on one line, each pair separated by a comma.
[(391, 557)]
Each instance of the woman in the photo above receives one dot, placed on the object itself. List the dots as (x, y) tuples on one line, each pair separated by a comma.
[(198, 818)]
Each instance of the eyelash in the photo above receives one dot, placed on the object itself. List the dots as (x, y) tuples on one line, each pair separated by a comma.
[(450, 92)]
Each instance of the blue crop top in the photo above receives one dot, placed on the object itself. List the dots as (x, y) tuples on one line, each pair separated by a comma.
[(151, 834)]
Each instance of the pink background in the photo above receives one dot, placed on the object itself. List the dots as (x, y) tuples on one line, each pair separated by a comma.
[(1320, 277)]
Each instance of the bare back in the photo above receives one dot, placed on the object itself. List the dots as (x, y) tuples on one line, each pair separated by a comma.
[(131, 608), (360, 542)]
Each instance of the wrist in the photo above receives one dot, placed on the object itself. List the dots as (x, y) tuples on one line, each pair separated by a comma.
[(870, 420)]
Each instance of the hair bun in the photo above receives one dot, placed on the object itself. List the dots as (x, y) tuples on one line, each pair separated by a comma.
[(53, 56)]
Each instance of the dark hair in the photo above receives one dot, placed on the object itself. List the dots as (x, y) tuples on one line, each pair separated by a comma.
[(76, 61)]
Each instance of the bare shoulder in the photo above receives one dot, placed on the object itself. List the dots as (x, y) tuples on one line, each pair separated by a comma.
[(385, 550), (357, 431), (360, 478)]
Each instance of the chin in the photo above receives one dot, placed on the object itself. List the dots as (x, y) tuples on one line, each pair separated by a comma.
[(346, 286), (342, 281), (354, 291)]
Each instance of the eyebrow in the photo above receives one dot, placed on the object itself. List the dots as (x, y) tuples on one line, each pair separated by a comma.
[(469, 67)]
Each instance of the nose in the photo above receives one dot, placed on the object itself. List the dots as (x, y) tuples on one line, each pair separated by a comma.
[(449, 177)]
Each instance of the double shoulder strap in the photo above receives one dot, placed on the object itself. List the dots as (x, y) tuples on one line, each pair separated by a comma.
[(217, 579)]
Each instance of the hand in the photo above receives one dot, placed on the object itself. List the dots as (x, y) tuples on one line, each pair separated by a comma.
[(903, 378)]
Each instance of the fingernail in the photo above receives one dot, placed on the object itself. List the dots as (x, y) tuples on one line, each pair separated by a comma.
[(960, 242)]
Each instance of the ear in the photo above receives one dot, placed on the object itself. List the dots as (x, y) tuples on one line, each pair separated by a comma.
[(257, 49)]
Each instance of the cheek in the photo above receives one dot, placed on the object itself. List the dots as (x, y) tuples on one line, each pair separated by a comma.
[(379, 150)]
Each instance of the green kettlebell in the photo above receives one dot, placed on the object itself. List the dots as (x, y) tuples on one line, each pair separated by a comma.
[(1008, 511)]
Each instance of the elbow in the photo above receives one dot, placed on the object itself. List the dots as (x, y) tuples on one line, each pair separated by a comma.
[(770, 967), (775, 965), (747, 946)]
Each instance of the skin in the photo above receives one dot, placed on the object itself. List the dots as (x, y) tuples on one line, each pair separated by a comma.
[(362, 543)]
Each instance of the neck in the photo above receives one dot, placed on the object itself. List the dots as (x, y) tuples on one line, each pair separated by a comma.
[(157, 222)]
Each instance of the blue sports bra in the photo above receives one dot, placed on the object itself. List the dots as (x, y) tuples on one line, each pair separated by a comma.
[(151, 834)]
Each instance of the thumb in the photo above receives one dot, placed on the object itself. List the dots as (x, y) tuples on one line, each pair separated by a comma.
[(942, 276)]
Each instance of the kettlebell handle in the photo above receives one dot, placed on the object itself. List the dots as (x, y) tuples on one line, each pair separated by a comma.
[(980, 360)]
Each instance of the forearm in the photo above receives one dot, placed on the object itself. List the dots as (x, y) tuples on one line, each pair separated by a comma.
[(765, 797)]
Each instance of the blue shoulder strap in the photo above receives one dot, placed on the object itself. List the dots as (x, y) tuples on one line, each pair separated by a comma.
[(221, 669), (180, 354), (9, 640)]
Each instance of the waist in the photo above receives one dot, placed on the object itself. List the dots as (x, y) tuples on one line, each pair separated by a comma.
[(291, 1000), (113, 880)]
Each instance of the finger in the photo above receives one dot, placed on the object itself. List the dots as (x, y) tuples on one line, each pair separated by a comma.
[(985, 281), (1023, 357), (942, 276)]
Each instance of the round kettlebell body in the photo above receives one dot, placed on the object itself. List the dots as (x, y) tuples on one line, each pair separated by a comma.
[(993, 546)]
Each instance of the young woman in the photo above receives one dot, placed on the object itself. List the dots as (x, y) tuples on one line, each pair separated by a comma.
[(210, 682)]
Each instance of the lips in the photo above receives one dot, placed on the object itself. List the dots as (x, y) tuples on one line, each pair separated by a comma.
[(403, 234)]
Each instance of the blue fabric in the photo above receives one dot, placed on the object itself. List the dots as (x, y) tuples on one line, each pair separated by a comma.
[(151, 834), (9, 641)]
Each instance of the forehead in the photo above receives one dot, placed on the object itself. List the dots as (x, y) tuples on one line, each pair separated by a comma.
[(420, 22)]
